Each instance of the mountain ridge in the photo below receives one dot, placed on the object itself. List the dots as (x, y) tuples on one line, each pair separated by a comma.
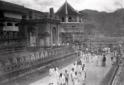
[(109, 24)]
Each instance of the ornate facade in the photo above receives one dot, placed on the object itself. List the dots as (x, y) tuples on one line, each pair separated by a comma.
[(28, 38), (71, 22)]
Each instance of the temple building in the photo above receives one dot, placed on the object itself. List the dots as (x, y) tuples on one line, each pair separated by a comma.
[(11, 16), (27, 37), (20, 26), (42, 30), (71, 22)]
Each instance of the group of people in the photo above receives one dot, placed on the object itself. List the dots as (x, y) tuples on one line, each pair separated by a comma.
[(74, 76), (100, 58), (77, 74), (96, 59)]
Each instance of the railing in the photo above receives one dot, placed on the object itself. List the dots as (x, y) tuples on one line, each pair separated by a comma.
[(113, 76), (109, 78), (116, 78)]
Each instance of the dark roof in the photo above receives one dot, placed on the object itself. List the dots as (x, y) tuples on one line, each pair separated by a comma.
[(7, 6), (70, 10), (11, 7), (35, 11), (44, 20)]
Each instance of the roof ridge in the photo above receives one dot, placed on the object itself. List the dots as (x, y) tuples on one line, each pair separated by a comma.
[(63, 8)]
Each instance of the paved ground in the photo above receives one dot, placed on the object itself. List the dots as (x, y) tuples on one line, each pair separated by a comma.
[(95, 74)]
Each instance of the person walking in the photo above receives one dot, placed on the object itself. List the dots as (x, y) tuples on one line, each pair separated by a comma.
[(72, 74), (74, 66), (70, 80), (83, 77), (104, 61), (57, 72), (66, 77), (61, 80), (51, 76), (76, 79)]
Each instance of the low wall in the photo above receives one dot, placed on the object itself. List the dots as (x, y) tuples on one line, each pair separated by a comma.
[(108, 79), (31, 57)]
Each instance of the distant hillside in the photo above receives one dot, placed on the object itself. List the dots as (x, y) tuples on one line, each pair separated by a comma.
[(109, 24)]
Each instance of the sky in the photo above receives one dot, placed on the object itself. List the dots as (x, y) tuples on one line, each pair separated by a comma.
[(44, 5)]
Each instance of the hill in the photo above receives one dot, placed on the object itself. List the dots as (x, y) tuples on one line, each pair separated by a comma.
[(109, 24)]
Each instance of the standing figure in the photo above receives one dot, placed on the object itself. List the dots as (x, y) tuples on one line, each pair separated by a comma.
[(51, 71), (104, 61), (72, 74), (76, 79), (83, 67), (83, 76), (66, 77), (75, 66), (57, 72), (51, 75), (61, 80), (96, 61)]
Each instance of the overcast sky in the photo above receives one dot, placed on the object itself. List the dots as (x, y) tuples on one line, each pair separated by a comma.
[(44, 5)]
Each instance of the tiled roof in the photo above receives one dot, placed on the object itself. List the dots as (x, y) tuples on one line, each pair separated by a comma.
[(11, 7), (7, 6)]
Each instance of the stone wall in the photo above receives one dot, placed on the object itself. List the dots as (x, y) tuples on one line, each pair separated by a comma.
[(32, 56)]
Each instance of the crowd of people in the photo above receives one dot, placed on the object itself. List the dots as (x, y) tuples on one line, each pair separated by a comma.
[(74, 76), (77, 74), (97, 59)]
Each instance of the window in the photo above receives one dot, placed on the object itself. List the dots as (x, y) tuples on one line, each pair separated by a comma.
[(70, 19), (9, 24), (63, 19), (17, 24)]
